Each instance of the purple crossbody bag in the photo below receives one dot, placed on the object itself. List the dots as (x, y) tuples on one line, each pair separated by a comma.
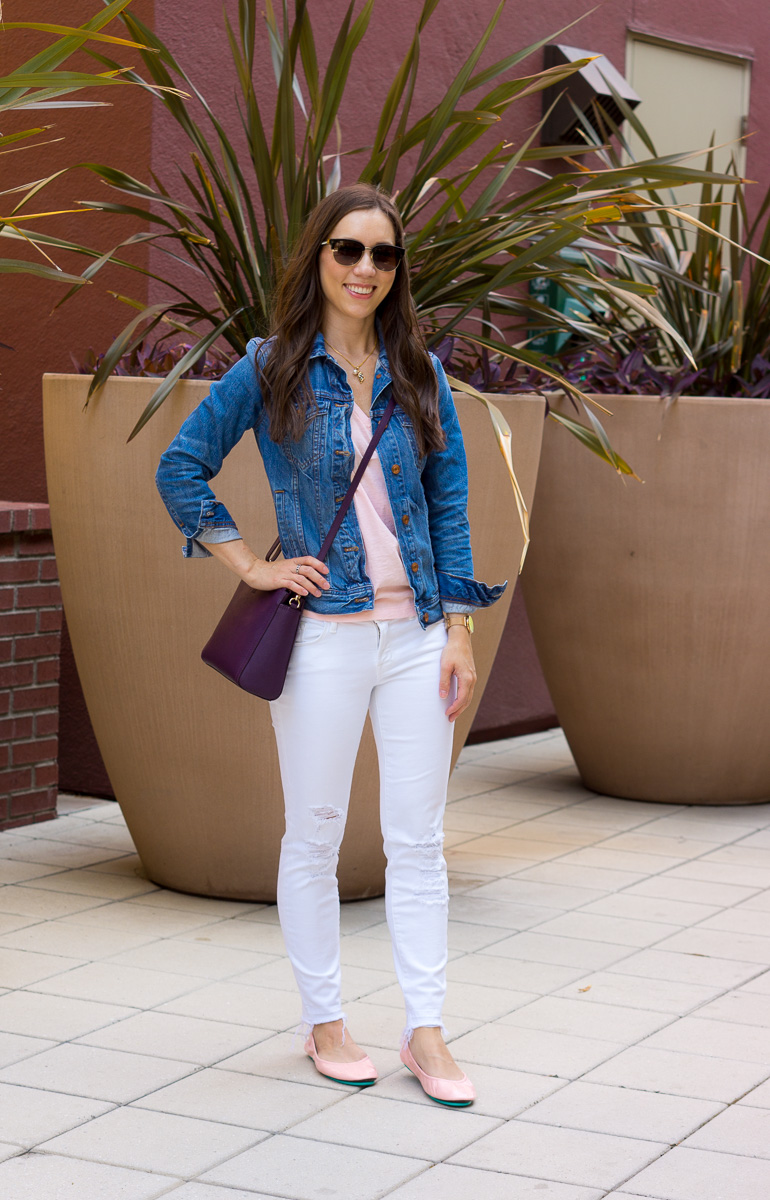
[(252, 644)]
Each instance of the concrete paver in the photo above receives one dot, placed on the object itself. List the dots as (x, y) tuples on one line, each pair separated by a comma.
[(500, 1093), (209, 1191), (608, 983), (445, 1181), (652, 995), (90, 1071), (165, 1035), (624, 1111), (285, 1165), (562, 1155), (230, 1097), (516, 974), (610, 1022), (31, 1115), (738, 1130), (759, 983), (685, 1174), (389, 1125), (758, 1097), (699, 1076), (693, 1034), (684, 967), (30, 1176), (58, 1017), (236, 1003), (154, 1141), (555, 948), (499, 1044)]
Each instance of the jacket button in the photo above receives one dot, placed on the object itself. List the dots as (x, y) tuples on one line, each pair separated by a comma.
[(405, 519), (425, 618), (415, 567), (396, 469)]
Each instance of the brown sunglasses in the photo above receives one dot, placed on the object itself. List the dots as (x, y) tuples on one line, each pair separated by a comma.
[(347, 252)]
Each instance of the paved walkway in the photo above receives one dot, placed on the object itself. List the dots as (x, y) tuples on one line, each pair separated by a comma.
[(609, 995)]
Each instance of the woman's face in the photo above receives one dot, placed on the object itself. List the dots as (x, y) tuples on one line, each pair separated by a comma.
[(355, 292)]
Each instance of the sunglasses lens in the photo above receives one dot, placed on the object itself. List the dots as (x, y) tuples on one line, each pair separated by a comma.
[(346, 251), (385, 257)]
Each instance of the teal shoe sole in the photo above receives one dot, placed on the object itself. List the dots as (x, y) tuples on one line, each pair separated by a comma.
[(446, 1103), (351, 1082)]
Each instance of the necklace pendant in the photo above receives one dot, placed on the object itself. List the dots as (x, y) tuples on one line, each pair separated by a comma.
[(359, 376)]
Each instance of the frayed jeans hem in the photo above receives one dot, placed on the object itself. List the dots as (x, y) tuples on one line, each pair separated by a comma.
[(323, 1019), (421, 1023)]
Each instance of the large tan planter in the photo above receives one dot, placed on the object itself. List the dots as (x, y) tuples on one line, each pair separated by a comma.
[(649, 601), (191, 758)]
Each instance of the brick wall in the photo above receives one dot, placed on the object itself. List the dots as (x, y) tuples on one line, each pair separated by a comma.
[(30, 633)]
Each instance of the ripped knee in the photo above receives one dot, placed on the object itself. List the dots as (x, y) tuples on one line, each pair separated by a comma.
[(324, 815), (322, 852), (433, 887)]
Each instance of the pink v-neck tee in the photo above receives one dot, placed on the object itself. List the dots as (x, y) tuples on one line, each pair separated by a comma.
[(393, 597)]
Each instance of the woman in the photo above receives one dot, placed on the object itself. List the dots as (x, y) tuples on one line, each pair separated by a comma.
[(386, 627)]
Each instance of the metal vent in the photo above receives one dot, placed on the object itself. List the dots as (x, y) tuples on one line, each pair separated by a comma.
[(588, 89)]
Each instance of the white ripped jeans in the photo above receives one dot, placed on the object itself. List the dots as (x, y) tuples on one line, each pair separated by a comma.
[(338, 672)]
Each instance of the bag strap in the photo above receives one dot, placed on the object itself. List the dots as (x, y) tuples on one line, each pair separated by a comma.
[(275, 549)]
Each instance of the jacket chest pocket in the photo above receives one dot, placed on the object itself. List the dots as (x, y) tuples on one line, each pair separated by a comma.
[(312, 445), (406, 434)]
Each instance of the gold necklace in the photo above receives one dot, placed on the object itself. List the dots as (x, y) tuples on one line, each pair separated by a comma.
[(356, 369)]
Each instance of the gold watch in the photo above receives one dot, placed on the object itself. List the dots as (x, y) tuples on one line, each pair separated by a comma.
[(456, 618)]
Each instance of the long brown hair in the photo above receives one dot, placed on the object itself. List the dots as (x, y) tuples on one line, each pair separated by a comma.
[(298, 308)]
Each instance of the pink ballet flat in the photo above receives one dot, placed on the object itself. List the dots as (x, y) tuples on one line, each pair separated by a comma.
[(455, 1093), (360, 1074)]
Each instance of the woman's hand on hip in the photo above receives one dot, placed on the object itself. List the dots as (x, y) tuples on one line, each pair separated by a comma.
[(305, 575), (309, 579), (457, 660)]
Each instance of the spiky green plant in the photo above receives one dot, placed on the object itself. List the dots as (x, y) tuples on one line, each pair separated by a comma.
[(37, 84), (712, 287)]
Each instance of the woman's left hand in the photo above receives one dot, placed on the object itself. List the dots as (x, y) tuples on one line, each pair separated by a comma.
[(457, 660)]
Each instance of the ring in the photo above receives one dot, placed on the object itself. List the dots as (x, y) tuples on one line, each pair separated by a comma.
[(297, 569)]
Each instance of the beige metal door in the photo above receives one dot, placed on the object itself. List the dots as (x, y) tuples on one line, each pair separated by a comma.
[(689, 94)]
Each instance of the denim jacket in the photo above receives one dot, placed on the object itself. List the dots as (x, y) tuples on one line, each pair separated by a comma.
[(428, 493)]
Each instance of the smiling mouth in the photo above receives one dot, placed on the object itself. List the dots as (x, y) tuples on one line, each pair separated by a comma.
[(359, 291)]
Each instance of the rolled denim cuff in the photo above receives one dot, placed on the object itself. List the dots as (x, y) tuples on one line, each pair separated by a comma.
[(195, 547), (449, 606), (459, 589), (227, 533)]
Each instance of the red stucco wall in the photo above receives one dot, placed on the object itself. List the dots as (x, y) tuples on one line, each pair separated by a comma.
[(43, 340)]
